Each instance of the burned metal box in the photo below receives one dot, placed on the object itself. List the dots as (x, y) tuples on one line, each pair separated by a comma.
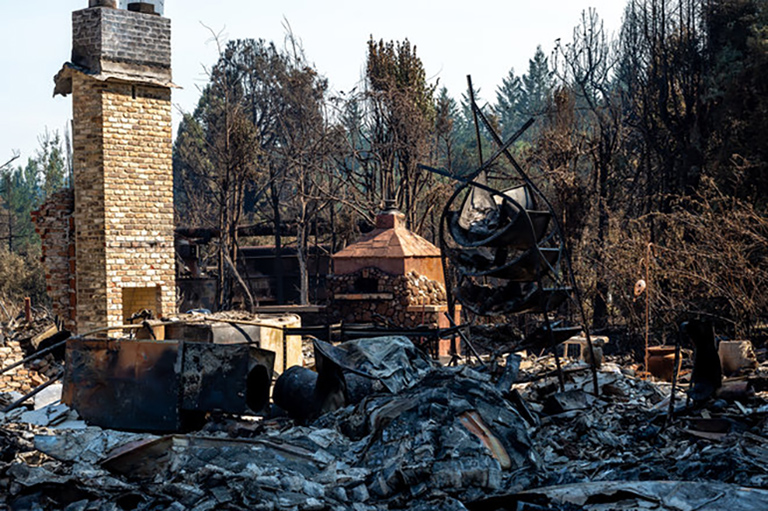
[(163, 385)]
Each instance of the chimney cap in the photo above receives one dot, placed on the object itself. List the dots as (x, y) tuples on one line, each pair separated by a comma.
[(112, 4), (143, 7)]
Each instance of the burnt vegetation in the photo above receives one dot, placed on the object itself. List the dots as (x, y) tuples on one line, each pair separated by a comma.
[(650, 141)]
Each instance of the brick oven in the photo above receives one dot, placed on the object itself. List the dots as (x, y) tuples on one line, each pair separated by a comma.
[(390, 275), (123, 244)]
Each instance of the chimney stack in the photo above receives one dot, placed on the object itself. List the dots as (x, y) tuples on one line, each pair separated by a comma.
[(120, 81)]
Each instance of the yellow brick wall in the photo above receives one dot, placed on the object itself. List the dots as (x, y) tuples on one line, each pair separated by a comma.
[(125, 232), (90, 256)]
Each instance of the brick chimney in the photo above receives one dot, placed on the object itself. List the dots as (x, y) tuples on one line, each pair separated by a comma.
[(120, 81), (390, 218)]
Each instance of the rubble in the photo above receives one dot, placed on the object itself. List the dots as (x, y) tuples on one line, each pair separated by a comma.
[(18, 339), (390, 451), (428, 437), (667, 495), (626, 434)]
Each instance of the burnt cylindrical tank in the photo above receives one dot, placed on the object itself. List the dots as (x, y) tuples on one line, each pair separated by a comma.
[(294, 392)]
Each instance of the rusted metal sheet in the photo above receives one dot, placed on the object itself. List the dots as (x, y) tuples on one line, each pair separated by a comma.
[(163, 385), (130, 385)]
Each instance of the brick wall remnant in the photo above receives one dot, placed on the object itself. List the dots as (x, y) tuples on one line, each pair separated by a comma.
[(54, 223)]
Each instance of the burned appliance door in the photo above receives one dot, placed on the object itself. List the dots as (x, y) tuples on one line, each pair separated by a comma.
[(229, 378)]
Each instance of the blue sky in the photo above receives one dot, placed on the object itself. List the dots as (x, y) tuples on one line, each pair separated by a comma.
[(484, 38)]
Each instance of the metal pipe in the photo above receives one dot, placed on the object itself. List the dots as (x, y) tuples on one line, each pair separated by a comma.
[(33, 356), (243, 322), (35, 392)]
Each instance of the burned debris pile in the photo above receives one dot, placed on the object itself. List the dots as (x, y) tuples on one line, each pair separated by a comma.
[(19, 338), (430, 435), (626, 433), (402, 432)]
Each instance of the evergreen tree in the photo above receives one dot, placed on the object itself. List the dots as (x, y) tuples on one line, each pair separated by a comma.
[(509, 97), (403, 117), (24, 189), (446, 112), (19, 195), (53, 162), (537, 85), (466, 143)]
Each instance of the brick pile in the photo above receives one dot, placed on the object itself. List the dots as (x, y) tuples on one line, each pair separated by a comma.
[(24, 378), (17, 345)]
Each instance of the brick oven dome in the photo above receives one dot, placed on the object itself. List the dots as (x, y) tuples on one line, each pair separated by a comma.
[(389, 240)]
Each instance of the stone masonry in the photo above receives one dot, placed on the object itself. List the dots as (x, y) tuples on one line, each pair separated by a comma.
[(106, 40), (391, 275), (120, 82), (406, 300)]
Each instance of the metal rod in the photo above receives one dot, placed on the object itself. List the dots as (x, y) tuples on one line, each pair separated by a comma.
[(647, 303), (466, 340), (548, 325), (671, 412), (447, 277), (500, 151), (108, 328), (33, 356), (243, 322), (35, 392), (477, 123)]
